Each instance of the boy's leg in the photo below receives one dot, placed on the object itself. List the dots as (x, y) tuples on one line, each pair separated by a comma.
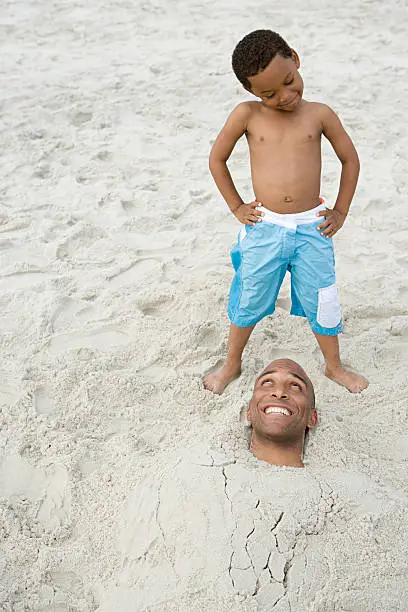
[(313, 282), (252, 296), (231, 369), (329, 345)]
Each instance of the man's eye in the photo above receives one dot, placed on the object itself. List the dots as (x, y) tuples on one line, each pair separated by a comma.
[(270, 96), (296, 386), (289, 82), (266, 382)]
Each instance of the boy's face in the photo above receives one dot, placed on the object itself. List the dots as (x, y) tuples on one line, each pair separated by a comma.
[(280, 85)]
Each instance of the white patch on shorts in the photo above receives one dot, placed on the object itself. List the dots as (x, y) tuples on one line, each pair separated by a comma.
[(328, 307)]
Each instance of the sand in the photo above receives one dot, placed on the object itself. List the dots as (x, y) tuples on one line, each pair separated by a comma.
[(123, 484)]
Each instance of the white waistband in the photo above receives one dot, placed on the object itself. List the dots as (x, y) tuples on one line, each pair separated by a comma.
[(292, 219)]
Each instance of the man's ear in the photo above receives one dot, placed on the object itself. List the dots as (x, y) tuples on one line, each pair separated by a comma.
[(312, 420), (248, 412), (296, 58)]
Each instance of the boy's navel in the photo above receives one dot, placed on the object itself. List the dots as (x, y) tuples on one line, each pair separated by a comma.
[(288, 199)]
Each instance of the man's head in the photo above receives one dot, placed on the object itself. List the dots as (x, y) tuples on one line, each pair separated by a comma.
[(267, 67), (282, 407)]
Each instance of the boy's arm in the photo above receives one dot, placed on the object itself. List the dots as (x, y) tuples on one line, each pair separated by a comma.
[(347, 154), (234, 128)]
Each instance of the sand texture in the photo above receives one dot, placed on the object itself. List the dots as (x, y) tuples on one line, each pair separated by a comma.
[(124, 486)]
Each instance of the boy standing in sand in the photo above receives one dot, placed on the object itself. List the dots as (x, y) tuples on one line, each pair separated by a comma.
[(282, 229)]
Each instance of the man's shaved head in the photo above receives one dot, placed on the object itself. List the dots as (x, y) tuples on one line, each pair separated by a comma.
[(296, 369), (281, 411)]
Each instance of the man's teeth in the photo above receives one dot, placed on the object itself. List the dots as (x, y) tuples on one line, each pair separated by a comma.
[(271, 409)]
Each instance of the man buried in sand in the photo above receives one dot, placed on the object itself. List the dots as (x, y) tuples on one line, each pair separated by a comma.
[(222, 528), (287, 227), (281, 411)]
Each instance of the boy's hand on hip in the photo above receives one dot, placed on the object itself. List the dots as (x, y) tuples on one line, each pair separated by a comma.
[(332, 223), (247, 213)]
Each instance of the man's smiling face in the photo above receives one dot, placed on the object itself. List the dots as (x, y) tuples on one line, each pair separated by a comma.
[(282, 405)]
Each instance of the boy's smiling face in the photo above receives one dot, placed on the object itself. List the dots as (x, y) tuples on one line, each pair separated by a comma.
[(279, 85)]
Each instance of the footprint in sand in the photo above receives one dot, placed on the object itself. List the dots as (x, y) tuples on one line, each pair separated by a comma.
[(42, 172), (200, 196), (101, 339), (208, 336), (156, 373), (158, 307), (103, 155), (83, 247), (403, 290), (128, 206), (36, 134), (148, 270), (21, 280), (6, 244), (81, 117), (150, 186), (69, 312), (8, 224), (399, 326), (375, 205), (403, 262)]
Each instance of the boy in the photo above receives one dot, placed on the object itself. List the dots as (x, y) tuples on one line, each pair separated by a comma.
[(282, 230)]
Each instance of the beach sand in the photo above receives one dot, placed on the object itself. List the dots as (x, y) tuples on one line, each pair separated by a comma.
[(124, 486)]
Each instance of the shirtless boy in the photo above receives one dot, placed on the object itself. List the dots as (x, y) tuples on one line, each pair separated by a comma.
[(288, 226)]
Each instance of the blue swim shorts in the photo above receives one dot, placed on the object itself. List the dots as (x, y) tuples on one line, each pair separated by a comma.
[(262, 256)]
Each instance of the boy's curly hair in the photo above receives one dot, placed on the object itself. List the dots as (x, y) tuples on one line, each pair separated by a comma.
[(254, 52)]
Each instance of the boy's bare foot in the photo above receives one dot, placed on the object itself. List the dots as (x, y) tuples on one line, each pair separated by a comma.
[(217, 381), (355, 383)]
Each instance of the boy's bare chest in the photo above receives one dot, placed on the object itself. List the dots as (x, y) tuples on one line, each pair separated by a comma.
[(285, 134)]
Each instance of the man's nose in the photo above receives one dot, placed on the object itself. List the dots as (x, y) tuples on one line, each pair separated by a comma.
[(280, 393)]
